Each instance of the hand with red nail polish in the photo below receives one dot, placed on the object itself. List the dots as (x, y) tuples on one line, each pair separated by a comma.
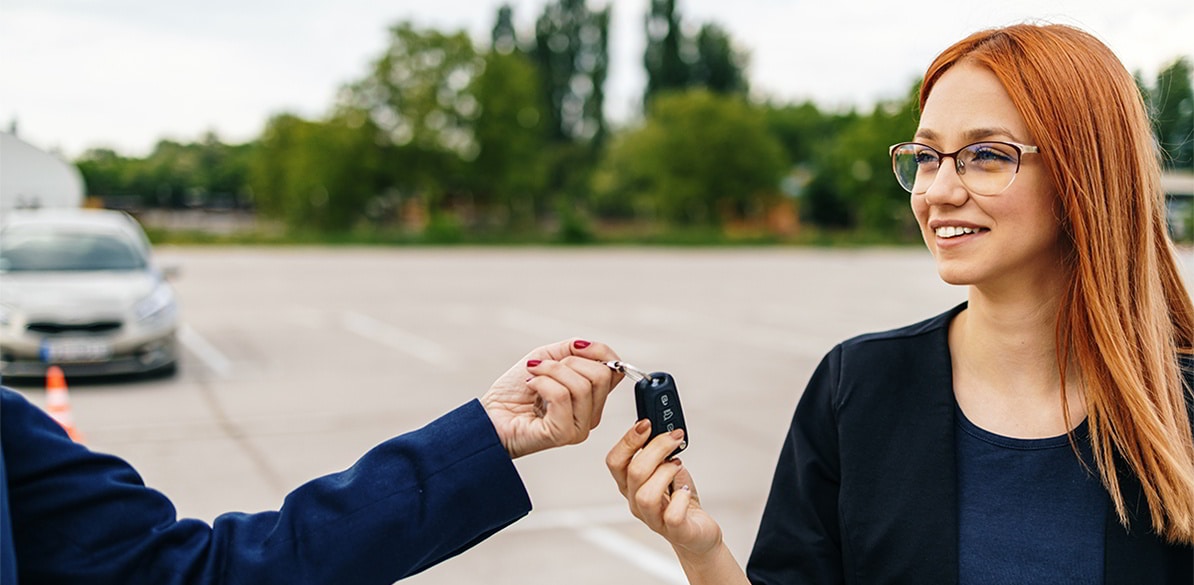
[(552, 397)]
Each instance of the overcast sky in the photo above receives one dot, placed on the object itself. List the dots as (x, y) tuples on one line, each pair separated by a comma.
[(76, 74)]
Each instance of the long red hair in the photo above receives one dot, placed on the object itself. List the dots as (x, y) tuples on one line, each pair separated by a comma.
[(1126, 316)]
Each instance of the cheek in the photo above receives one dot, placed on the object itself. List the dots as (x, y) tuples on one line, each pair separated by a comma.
[(919, 209)]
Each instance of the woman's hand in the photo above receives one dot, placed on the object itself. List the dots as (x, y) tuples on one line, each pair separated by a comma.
[(551, 397), (661, 492)]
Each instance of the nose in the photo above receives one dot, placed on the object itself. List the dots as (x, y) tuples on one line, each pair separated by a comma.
[(947, 187)]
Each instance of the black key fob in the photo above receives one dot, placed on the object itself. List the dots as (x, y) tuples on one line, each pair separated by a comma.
[(657, 400)]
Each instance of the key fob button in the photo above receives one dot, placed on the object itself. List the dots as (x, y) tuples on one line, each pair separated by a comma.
[(656, 399)]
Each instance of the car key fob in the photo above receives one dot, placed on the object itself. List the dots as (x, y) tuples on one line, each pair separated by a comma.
[(656, 399)]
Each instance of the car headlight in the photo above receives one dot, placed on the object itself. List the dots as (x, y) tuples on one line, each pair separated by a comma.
[(159, 302)]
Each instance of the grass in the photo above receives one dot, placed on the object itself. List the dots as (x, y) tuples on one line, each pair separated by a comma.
[(615, 235)]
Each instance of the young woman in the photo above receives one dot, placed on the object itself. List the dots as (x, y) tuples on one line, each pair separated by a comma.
[(1040, 432)]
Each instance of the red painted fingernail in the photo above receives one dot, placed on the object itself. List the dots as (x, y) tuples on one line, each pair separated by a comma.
[(581, 344), (533, 363)]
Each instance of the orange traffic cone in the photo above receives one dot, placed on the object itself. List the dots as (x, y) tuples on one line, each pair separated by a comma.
[(58, 402)]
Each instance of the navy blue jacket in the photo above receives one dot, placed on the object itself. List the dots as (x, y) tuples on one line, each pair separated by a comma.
[(866, 486), (69, 515)]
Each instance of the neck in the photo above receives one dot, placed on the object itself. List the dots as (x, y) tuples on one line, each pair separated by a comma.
[(1010, 338), (1006, 372)]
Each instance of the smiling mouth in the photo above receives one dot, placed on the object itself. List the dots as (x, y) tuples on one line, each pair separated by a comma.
[(951, 231)]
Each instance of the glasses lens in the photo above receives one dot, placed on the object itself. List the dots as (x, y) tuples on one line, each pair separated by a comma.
[(913, 164), (989, 166)]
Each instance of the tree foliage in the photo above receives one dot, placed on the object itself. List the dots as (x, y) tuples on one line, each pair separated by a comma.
[(208, 172), (700, 158), (666, 69), (297, 181), (1172, 101), (443, 135), (510, 171), (572, 50), (677, 61)]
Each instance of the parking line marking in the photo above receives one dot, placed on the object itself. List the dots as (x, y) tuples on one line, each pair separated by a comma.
[(591, 524), (648, 560), (205, 351), (390, 336), (548, 327)]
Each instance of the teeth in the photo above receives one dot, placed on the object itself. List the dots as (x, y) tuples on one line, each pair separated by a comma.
[(951, 231)]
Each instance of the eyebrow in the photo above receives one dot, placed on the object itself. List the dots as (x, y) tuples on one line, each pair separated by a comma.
[(972, 135)]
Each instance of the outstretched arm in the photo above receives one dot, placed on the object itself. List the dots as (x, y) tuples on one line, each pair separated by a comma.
[(413, 501), (83, 517)]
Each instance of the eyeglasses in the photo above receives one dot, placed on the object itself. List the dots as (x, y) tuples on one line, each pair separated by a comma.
[(985, 168)]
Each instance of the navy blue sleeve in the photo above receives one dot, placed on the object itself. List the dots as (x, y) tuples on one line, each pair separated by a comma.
[(799, 540), (409, 503)]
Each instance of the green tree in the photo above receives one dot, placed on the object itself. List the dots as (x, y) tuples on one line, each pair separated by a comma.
[(803, 129), (316, 175), (108, 174), (418, 98), (700, 158), (844, 159), (510, 170), (808, 137), (1173, 114), (676, 61), (666, 68), (175, 174), (504, 37), (854, 170), (572, 50), (719, 66)]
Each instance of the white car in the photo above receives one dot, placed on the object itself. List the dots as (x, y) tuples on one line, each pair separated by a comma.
[(79, 289)]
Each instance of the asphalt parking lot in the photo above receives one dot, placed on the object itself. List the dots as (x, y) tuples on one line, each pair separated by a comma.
[(296, 361)]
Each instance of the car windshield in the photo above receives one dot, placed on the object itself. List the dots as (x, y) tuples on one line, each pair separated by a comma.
[(67, 251)]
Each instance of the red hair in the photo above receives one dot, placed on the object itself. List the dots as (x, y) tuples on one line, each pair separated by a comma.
[(1125, 317)]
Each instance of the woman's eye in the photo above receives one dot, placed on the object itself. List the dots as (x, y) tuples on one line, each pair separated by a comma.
[(991, 154), (926, 157)]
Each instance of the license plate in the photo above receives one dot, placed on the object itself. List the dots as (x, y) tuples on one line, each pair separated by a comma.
[(75, 350)]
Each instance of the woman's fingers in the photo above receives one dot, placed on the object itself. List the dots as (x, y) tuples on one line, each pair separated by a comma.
[(619, 457), (653, 455), (675, 516), (600, 377), (558, 416), (652, 496)]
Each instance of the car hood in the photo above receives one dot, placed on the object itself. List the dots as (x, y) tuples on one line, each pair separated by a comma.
[(83, 293)]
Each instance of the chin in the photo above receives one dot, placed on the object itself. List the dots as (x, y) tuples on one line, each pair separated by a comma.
[(953, 274)]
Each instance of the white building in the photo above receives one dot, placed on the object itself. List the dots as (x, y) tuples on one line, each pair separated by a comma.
[(33, 178)]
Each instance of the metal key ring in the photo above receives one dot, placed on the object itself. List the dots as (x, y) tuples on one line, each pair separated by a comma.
[(630, 371)]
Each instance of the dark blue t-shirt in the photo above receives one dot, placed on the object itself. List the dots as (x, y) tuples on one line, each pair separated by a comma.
[(1029, 511)]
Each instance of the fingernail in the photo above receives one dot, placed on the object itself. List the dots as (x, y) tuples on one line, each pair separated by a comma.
[(533, 363), (677, 434), (581, 344), (642, 426)]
